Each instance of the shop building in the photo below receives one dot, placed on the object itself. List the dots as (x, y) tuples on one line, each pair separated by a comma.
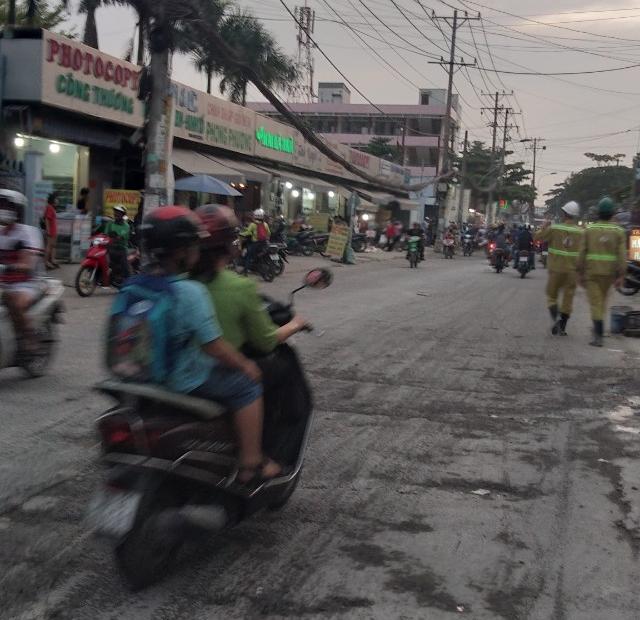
[(71, 118)]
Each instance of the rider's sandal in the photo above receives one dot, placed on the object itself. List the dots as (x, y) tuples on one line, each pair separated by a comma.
[(257, 478)]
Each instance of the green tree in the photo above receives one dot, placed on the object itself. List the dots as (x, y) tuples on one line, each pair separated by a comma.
[(35, 13), (605, 159), (382, 148), (589, 185)]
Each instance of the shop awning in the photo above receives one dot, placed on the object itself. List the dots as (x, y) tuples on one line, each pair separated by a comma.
[(197, 163), (377, 198), (249, 171), (304, 181)]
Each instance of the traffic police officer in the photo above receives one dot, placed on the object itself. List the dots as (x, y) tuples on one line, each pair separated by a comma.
[(565, 241), (602, 263)]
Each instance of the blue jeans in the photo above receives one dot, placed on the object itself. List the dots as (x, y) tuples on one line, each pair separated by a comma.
[(229, 387)]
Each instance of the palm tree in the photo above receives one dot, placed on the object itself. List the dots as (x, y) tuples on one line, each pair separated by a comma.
[(89, 8), (32, 13), (254, 46)]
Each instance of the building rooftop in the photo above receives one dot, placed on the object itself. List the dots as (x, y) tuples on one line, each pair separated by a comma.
[(361, 109)]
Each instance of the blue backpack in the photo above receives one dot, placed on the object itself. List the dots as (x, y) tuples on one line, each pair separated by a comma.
[(140, 346)]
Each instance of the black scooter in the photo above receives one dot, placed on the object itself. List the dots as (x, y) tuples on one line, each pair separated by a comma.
[(172, 466), (632, 280)]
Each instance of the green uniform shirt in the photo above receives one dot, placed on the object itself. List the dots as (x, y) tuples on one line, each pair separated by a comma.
[(604, 250), (121, 230), (565, 242), (240, 312), (251, 231)]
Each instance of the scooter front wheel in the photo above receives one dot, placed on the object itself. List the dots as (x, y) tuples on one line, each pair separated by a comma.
[(86, 281)]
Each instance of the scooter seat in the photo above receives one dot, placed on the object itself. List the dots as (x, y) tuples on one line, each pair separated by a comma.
[(200, 408)]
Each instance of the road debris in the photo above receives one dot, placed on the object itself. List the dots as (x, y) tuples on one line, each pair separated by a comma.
[(481, 492)]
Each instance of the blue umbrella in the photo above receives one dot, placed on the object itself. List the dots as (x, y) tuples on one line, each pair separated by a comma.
[(206, 184)]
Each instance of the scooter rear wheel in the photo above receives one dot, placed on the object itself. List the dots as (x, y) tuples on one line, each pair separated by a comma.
[(86, 281), (307, 250)]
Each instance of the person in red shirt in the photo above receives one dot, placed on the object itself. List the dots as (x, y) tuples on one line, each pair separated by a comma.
[(51, 229)]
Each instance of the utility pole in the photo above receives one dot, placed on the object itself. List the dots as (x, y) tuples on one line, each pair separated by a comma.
[(536, 146), (463, 175), (496, 109), (454, 23), (404, 138)]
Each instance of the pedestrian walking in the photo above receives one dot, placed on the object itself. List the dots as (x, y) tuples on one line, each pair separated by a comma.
[(391, 236), (602, 264), (51, 230), (565, 242), (83, 202)]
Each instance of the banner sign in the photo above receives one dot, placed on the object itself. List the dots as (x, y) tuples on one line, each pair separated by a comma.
[(338, 240), (634, 244), (128, 197)]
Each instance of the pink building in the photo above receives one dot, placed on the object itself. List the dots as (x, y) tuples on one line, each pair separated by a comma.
[(414, 129)]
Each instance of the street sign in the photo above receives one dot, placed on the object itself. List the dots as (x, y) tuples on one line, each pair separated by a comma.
[(338, 240)]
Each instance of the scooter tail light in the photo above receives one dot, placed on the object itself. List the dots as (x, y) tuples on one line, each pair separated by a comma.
[(116, 433)]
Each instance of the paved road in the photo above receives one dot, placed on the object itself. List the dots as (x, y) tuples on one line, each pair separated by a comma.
[(431, 385)]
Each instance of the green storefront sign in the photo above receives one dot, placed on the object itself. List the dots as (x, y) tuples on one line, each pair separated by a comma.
[(67, 84), (283, 144)]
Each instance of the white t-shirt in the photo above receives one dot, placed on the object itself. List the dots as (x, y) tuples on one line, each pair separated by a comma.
[(14, 239)]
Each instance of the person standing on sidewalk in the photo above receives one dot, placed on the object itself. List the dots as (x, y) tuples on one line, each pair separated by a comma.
[(51, 230), (602, 263), (565, 242)]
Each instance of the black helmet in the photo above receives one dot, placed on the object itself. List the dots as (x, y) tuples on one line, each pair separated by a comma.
[(167, 229)]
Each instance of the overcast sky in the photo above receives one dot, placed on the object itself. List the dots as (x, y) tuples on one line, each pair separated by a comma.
[(573, 113)]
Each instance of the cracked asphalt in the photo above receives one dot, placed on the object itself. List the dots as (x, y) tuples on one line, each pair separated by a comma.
[(463, 463)]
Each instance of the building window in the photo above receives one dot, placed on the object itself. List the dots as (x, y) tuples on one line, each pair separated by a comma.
[(424, 99)]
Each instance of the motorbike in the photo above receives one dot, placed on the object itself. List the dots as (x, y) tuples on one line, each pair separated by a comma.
[(96, 270), (45, 312), (413, 251), (447, 248), (496, 257), (278, 257), (171, 464), (359, 242), (523, 263), (467, 245), (263, 264), (301, 243), (632, 280)]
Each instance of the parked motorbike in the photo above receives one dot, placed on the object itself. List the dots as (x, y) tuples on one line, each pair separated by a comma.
[(467, 245), (171, 466), (301, 243), (413, 251), (524, 267), (447, 248), (44, 313), (359, 242), (96, 270), (632, 280)]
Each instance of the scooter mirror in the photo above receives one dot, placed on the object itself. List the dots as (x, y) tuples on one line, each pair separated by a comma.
[(318, 278)]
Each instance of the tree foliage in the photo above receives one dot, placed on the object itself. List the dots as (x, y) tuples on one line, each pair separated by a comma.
[(38, 13), (606, 159), (589, 185), (382, 147), (484, 171)]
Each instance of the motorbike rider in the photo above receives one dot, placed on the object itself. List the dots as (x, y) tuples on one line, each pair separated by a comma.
[(564, 242), (523, 244), (245, 323), (257, 235), (416, 231), (21, 252), (119, 231), (206, 365)]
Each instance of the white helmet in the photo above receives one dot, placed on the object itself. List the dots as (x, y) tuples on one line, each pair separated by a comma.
[(258, 214), (12, 206), (120, 209), (572, 209)]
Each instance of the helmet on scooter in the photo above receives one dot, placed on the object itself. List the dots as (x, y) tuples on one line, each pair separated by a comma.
[(220, 222), (258, 214), (12, 206), (167, 229), (572, 209)]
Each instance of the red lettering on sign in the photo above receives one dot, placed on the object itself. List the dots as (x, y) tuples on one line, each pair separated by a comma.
[(118, 75), (54, 48), (98, 67), (126, 77), (65, 56), (108, 72), (88, 63), (76, 63)]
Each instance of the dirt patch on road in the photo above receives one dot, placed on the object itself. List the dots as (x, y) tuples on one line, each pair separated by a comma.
[(425, 586)]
